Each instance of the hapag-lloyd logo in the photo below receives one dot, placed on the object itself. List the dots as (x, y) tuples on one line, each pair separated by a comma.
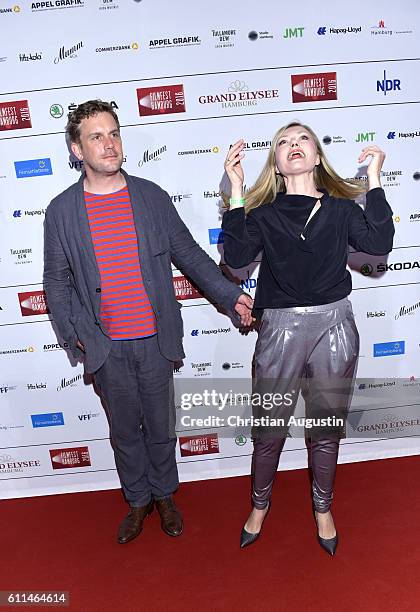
[(161, 100), (64, 53), (206, 444), (33, 303), (15, 115), (238, 94), (314, 87)]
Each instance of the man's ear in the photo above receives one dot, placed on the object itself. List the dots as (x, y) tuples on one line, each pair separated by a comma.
[(76, 150)]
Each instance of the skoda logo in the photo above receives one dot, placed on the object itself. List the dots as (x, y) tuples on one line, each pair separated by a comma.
[(366, 269)]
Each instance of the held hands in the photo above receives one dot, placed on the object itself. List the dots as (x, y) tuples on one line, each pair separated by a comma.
[(244, 307), (375, 164), (234, 168)]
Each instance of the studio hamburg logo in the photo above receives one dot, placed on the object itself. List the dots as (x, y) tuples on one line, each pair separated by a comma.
[(15, 115), (161, 100), (314, 87), (33, 303)]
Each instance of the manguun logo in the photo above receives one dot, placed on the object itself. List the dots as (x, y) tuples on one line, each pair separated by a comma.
[(66, 52), (15, 115), (161, 100), (314, 87)]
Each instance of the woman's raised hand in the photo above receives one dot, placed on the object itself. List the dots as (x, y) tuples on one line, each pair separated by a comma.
[(375, 164), (233, 167)]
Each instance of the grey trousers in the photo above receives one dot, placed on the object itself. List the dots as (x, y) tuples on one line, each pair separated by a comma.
[(136, 383), (313, 350)]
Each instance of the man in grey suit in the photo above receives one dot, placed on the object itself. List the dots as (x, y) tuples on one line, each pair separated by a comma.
[(109, 241)]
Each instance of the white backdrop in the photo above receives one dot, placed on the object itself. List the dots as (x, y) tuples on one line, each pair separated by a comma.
[(226, 71)]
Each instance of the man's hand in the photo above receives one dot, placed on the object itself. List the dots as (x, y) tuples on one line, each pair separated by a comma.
[(80, 346), (244, 307)]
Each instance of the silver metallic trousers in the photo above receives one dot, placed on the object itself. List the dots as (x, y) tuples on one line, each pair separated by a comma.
[(313, 350)]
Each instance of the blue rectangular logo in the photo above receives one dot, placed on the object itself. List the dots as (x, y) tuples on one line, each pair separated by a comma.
[(33, 167), (47, 420), (385, 349), (216, 235)]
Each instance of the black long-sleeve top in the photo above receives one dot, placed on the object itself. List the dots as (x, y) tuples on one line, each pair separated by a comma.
[(311, 271)]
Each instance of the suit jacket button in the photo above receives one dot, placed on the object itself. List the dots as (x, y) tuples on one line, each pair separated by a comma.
[(98, 290)]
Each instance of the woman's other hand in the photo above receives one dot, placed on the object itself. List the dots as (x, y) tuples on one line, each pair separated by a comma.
[(375, 164)]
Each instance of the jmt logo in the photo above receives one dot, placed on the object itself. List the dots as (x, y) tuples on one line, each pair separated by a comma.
[(388, 84), (365, 136), (293, 33)]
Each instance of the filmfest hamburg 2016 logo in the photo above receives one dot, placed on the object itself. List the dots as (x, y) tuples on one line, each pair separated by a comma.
[(314, 87), (184, 290), (33, 303), (62, 458), (207, 444), (15, 115), (161, 100)]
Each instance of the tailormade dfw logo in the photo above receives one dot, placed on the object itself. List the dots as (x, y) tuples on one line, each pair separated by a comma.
[(161, 100), (314, 87), (15, 115), (238, 94)]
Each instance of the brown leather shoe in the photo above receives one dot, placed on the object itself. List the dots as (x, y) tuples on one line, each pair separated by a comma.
[(132, 525), (170, 517)]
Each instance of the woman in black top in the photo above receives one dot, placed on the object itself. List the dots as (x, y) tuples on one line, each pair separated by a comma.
[(302, 216)]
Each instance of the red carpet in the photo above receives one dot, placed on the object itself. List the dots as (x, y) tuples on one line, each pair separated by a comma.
[(67, 542)]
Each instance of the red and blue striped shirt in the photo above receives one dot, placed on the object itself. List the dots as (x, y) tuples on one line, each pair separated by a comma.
[(126, 311)]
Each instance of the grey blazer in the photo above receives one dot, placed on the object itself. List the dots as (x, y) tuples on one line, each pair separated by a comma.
[(71, 276)]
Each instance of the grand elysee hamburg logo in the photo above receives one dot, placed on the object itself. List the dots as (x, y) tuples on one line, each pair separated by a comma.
[(15, 115), (314, 87), (162, 100)]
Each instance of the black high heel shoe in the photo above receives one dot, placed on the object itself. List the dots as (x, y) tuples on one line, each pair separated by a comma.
[(330, 544), (249, 538)]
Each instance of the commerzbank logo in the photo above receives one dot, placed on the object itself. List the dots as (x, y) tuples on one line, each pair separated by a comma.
[(14, 8), (33, 167)]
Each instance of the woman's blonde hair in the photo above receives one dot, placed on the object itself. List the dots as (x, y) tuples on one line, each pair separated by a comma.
[(270, 183)]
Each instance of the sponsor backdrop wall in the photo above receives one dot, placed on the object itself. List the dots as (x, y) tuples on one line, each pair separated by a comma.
[(187, 79)]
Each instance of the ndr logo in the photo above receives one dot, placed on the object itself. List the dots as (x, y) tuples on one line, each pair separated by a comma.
[(388, 84)]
